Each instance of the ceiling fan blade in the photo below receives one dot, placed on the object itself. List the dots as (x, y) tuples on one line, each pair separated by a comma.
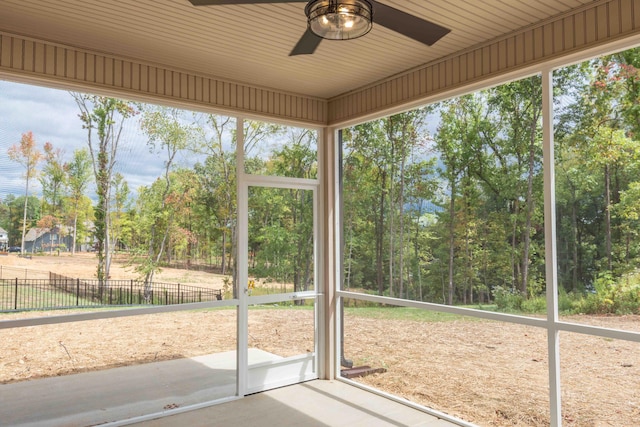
[(406, 24), (307, 44), (223, 2)]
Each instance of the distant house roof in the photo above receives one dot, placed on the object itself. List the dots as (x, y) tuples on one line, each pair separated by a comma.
[(35, 233), (63, 229)]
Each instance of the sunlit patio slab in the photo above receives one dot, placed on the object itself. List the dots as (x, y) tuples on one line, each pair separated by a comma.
[(98, 397), (314, 403), (133, 392)]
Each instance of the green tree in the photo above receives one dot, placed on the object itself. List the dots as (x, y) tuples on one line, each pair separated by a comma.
[(519, 107), (15, 211), (104, 120), (404, 133), (627, 71), (628, 210), (457, 141), (216, 198), (120, 204), (597, 165), (600, 138), (298, 158), (78, 178), (365, 177), (217, 179), (53, 180), (27, 154), (167, 133), (387, 176)]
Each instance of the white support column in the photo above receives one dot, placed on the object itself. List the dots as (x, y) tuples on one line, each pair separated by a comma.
[(242, 234), (327, 151), (553, 334)]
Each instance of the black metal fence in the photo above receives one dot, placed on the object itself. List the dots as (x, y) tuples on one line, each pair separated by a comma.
[(61, 292)]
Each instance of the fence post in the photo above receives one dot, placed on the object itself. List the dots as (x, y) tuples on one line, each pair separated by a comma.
[(179, 298), (15, 301), (131, 293), (77, 292)]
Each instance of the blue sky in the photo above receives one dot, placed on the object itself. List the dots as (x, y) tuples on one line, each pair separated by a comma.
[(52, 116)]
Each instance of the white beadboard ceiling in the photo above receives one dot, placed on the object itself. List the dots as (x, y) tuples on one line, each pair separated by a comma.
[(251, 43)]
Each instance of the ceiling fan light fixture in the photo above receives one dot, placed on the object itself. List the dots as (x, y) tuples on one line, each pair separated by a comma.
[(339, 20)]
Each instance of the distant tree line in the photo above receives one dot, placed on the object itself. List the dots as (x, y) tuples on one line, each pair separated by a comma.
[(189, 213), (445, 203)]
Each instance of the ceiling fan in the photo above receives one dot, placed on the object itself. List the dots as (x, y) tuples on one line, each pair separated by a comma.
[(348, 19)]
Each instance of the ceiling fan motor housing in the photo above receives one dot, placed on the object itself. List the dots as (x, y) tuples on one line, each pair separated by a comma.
[(339, 20)]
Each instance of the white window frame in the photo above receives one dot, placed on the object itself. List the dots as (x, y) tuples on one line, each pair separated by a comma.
[(243, 181), (552, 324)]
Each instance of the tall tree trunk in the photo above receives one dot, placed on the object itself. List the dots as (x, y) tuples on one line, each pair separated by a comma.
[(607, 216), (380, 237), (234, 257), (75, 227), (107, 242), (416, 251), (401, 225), (224, 251), (24, 215), (529, 214), (391, 226), (392, 176), (349, 258), (469, 278), (574, 243), (306, 277), (452, 239), (514, 263), (468, 291), (230, 254)]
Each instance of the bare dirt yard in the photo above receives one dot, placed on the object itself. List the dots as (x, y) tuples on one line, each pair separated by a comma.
[(83, 266), (490, 373)]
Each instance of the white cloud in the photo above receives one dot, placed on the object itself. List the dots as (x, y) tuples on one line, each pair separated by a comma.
[(52, 116)]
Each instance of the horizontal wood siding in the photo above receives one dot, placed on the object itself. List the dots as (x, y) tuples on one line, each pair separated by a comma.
[(69, 67), (585, 28), (28, 59)]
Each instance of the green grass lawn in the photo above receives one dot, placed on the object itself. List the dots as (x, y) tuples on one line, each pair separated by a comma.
[(37, 298), (401, 313)]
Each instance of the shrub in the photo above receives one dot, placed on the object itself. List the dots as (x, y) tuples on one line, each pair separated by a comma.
[(507, 299), (534, 305), (566, 301), (611, 297)]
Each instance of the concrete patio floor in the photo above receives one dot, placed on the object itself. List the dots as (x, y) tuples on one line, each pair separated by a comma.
[(312, 404), (128, 393)]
